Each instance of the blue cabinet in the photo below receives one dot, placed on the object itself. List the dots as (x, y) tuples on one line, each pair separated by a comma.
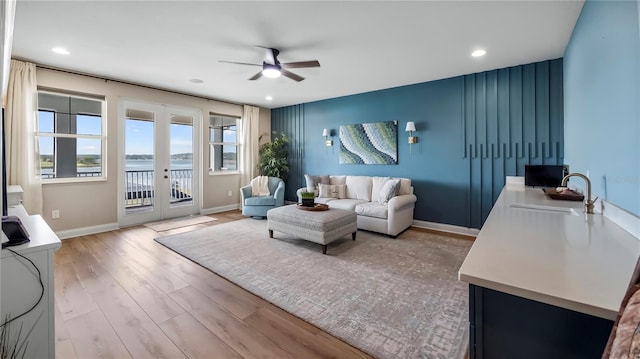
[(507, 326)]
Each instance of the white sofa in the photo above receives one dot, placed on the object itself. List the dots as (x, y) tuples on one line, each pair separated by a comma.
[(367, 196)]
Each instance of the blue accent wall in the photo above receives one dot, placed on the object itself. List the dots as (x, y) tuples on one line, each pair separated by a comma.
[(602, 99), (473, 131)]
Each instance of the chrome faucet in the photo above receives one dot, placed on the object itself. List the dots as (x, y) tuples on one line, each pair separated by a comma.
[(588, 205)]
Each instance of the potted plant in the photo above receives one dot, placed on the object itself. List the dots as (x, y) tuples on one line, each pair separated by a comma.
[(273, 157), (13, 344), (308, 199)]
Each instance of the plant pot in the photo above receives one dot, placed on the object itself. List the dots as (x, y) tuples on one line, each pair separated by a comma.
[(310, 202)]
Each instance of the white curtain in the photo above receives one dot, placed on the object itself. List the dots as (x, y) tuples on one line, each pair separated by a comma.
[(249, 145), (23, 155)]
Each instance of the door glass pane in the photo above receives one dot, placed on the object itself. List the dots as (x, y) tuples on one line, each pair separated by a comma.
[(181, 160), (140, 164)]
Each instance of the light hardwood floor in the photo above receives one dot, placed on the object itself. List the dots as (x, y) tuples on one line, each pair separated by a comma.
[(122, 295)]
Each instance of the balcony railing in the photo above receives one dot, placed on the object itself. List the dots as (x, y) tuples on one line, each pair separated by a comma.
[(79, 174), (140, 190), (140, 186)]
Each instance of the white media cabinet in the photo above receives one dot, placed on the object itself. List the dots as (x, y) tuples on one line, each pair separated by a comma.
[(20, 288)]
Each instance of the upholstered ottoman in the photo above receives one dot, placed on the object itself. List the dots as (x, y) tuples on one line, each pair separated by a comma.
[(322, 227)]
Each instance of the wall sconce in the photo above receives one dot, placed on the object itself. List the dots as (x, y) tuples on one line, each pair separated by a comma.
[(411, 127), (326, 133)]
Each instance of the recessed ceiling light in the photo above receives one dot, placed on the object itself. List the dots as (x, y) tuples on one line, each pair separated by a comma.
[(268, 98), (196, 81), (478, 53), (60, 50)]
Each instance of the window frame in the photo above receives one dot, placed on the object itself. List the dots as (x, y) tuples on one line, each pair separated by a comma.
[(237, 144), (102, 137)]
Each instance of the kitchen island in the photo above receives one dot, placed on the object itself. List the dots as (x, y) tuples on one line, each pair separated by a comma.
[(545, 279)]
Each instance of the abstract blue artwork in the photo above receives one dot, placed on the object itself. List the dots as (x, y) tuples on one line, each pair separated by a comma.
[(369, 143)]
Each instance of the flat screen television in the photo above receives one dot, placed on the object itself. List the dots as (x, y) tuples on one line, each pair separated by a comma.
[(544, 175), (4, 170)]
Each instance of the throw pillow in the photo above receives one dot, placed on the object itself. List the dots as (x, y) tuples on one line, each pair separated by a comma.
[(332, 191), (376, 186), (388, 191), (314, 181)]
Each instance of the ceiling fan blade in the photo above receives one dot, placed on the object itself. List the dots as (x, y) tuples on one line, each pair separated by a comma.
[(300, 64), (256, 76), (291, 75), (239, 63)]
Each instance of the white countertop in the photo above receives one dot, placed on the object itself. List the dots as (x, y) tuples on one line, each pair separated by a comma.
[(575, 261), (41, 236)]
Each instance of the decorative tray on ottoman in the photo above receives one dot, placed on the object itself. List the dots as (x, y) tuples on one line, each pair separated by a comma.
[(567, 195), (316, 207)]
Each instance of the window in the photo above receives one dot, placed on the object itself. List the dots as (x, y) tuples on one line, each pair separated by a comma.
[(223, 144), (71, 136)]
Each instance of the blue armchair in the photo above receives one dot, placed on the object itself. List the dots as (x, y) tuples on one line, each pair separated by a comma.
[(258, 206)]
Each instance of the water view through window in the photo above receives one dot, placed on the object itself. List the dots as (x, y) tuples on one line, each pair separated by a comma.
[(140, 160), (70, 136)]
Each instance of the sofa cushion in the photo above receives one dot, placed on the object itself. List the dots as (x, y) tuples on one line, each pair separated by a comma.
[(314, 181), (332, 191), (346, 203), (260, 201), (376, 186), (359, 187), (372, 209), (338, 179), (388, 191), (405, 186)]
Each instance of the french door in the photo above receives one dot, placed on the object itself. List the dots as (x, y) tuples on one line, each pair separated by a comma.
[(158, 168)]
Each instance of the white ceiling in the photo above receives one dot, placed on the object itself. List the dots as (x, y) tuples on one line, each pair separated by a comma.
[(362, 46)]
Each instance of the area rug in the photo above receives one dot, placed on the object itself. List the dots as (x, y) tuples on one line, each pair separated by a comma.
[(392, 298), (174, 223)]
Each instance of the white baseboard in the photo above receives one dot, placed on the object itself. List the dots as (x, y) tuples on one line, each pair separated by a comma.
[(449, 228), (226, 208), (85, 231)]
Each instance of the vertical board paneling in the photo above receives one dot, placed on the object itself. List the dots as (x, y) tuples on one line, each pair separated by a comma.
[(556, 110), (498, 120), (290, 121), (503, 108), (542, 110), (516, 120), (515, 110), (492, 112)]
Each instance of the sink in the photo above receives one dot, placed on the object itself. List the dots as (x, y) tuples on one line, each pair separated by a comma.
[(548, 209)]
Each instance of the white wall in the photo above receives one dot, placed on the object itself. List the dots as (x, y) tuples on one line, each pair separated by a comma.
[(93, 204)]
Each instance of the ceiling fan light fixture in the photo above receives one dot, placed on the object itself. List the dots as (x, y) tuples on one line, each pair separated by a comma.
[(271, 71)]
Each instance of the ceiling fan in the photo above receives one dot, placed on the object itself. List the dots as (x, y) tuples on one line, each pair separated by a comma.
[(273, 68)]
